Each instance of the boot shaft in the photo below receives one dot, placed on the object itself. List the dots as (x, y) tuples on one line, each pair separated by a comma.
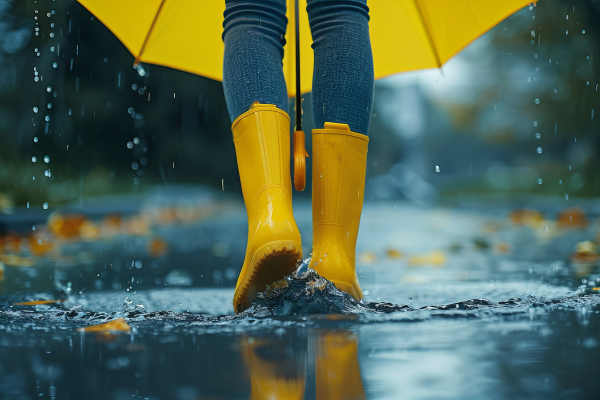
[(262, 143), (339, 168)]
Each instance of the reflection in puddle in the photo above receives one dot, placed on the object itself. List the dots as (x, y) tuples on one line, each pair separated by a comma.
[(278, 365)]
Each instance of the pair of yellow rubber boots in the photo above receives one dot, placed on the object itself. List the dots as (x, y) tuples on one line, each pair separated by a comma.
[(262, 144)]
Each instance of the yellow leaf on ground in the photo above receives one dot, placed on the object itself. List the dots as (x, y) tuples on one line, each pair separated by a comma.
[(393, 253), (114, 325), (38, 302), (436, 258)]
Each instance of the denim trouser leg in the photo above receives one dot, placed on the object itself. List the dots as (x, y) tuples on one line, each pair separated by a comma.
[(343, 77), (254, 36)]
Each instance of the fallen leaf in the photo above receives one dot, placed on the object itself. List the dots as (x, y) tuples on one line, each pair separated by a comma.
[(118, 324), (39, 302)]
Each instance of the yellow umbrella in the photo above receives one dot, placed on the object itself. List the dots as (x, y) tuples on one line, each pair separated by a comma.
[(406, 35)]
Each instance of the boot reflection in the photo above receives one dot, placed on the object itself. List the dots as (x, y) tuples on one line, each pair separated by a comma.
[(277, 371), (337, 370)]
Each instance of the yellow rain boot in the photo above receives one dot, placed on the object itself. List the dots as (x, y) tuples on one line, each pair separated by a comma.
[(262, 145), (337, 370), (339, 167)]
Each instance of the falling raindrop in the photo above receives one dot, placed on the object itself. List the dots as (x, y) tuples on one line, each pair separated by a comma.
[(540, 181), (49, 89), (538, 135), (134, 86), (535, 123), (49, 105), (136, 140), (130, 145), (537, 101), (560, 181), (51, 34), (35, 110), (33, 159), (46, 159), (539, 150), (437, 169), (47, 173), (45, 206), (47, 118), (566, 196), (54, 65), (35, 139), (143, 161), (134, 166), (136, 181)]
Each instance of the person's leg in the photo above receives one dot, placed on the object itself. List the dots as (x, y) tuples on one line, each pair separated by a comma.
[(343, 77), (254, 36), (256, 98), (343, 82)]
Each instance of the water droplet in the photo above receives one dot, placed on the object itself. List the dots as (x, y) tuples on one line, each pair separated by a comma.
[(35, 110), (35, 139), (144, 161), (130, 145), (36, 79), (537, 101), (49, 89), (47, 118), (51, 34), (136, 181), (540, 181), (583, 32), (47, 173), (539, 150), (45, 206), (136, 140), (46, 159), (560, 181), (49, 105), (33, 159), (538, 135), (535, 123), (134, 166), (134, 86), (52, 25), (410, 299), (437, 169), (566, 196), (54, 65), (130, 110)]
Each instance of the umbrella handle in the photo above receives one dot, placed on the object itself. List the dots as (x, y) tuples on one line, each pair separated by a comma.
[(299, 161)]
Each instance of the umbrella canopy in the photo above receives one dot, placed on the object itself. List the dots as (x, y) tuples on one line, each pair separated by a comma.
[(406, 35)]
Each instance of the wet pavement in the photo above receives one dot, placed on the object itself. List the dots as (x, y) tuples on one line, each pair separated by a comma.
[(469, 301)]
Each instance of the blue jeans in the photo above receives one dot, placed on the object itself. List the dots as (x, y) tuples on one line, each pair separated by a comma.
[(343, 77)]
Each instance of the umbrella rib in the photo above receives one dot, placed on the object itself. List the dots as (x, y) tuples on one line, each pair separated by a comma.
[(429, 37), (139, 56)]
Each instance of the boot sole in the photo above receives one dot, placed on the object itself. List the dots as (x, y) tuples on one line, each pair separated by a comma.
[(269, 263)]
